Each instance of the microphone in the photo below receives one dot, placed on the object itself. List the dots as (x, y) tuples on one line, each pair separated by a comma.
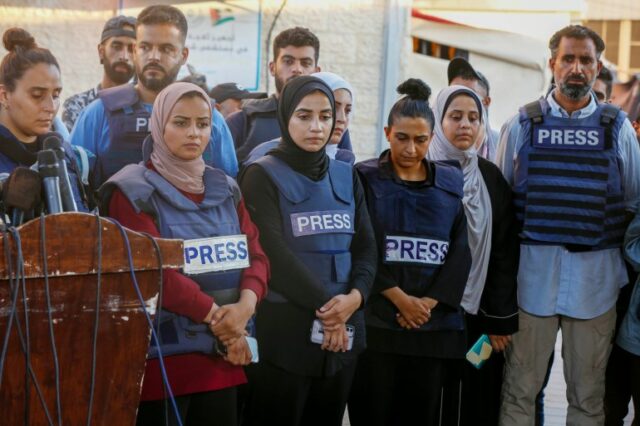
[(21, 191), (49, 170), (53, 141)]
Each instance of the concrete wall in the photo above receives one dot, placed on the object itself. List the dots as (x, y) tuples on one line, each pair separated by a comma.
[(351, 34), (612, 9)]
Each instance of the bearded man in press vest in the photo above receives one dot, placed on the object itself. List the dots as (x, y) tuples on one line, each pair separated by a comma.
[(114, 126), (574, 166)]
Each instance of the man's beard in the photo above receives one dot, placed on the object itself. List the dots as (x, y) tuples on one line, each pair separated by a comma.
[(118, 77), (157, 84), (575, 91)]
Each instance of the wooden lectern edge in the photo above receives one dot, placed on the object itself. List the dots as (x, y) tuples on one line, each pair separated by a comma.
[(68, 256)]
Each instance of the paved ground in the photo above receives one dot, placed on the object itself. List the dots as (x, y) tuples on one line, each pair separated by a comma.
[(555, 400)]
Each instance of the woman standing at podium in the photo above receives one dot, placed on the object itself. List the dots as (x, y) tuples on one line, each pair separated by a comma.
[(30, 87), (172, 194)]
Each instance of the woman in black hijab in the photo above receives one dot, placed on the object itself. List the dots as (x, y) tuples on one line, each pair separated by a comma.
[(315, 228)]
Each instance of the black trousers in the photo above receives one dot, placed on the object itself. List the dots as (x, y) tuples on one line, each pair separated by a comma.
[(282, 398), (622, 383), (391, 389), (215, 408)]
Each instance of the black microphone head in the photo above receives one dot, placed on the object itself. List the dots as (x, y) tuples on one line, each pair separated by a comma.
[(53, 140), (22, 189), (48, 165)]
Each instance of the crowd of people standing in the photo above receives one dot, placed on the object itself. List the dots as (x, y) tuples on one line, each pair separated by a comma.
[(377, 285)]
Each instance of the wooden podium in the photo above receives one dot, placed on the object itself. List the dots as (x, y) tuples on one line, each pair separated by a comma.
[(123, 335)]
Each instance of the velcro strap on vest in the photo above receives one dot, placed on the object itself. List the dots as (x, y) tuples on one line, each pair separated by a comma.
[(533, 110)]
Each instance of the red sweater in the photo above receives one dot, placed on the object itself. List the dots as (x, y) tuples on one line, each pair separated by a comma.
[(194, 372)]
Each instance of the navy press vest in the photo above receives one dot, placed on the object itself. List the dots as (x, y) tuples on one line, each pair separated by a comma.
[(128, 127), (567, 180), (318, 220), (179, 217), (413, 229)]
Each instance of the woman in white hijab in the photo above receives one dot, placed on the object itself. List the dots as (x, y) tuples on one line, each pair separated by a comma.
[(490, 295)]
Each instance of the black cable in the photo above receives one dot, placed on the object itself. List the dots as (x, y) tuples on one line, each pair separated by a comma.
[(14, 300), (27, 349), (157, 319), (136, 287), (97, 320), (15, 288), (52, 337), (273, 24)]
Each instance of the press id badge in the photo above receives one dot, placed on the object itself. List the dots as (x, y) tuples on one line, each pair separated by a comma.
[(480, 351), (317, 333), (215, 254)]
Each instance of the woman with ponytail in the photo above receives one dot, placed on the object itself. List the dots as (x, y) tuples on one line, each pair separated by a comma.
[(30, 87), (415, 323)]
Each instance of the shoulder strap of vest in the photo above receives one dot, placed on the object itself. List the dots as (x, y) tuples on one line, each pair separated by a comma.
[(131, 181), (341, 176), (283, 177), (533, 111), (119, 97), (449, 178), (609, 114), (235, 190)]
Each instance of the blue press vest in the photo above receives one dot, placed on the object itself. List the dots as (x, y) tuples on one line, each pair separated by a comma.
[(425, 214), (567, 183), (318, 220), (128, 127), (179, 217), (7, 165)]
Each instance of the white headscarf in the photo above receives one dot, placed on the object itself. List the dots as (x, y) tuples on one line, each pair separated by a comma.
[(476, 201)]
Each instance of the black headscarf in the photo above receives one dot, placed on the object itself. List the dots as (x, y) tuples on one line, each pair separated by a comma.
[(313, 165)]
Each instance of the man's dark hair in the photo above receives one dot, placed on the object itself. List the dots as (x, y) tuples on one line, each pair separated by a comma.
[(297, 37), (607, 78), (163, 14), (579, 32)]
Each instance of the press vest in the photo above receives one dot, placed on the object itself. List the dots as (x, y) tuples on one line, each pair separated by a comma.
[(318, 220), (128, 127), (567, 180), (178, 217), (413, 227)]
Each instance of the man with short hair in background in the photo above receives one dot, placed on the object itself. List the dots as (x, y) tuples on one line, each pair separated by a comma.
[(115, 125), (460, 72), (295, 53), (228, 97), (115, 51)]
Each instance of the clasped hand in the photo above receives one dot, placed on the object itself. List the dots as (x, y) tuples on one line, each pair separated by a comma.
[(414, 311)]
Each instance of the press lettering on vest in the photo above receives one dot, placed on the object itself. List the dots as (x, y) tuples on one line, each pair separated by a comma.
[(215, 254), (554, 137), (323, 222), (141, 124), (402, 249)]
